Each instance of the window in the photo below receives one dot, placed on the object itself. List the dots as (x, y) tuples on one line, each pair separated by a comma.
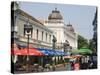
[(50, 38), (46, 36), (42, 35), (37, 33)]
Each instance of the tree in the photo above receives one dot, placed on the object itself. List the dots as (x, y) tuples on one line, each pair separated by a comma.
[(82, 42), (91, 44)]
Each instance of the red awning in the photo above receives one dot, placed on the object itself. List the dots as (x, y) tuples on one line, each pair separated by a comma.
[(32, 51)]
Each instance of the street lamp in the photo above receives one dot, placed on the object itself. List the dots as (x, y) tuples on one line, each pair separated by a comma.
[(28, 31), (54, 40)]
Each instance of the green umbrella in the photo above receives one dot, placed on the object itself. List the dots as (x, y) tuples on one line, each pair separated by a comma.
[(85, 51), (82, 51)]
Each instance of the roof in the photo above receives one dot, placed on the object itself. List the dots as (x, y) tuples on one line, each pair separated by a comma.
[(70, 27), (29, 16), (55, 15)]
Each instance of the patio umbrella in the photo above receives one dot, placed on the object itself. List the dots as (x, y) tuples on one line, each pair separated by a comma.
[(44, 51), (35, 52), (77, 56), (32, 51), (52, 52), (85, 51), (82, 51), (18, 52), (61, 53), (68, 57)]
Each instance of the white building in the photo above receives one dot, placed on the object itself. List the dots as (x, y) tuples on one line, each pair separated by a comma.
[(42, 33), (61, 31), (41, 36)]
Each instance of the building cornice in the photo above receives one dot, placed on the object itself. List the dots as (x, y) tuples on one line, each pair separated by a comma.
[(29, 16), (24, 16)]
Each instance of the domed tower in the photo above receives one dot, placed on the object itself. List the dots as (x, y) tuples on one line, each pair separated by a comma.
[(61, 31), (55, 16), (56, 24), (70, 27)]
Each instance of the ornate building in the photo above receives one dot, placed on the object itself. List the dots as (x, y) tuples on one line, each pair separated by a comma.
[(42, 33), (41, 36), (61, 31)]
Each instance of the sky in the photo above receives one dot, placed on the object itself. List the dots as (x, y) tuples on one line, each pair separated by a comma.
[(80, 16)]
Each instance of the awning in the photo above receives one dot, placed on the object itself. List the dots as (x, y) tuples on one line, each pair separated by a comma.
[(18, 52), (74, 56), (45, 51), (38, 52), (83, 51), (52, 52), (69, 57), (32, 51), (60, 53)]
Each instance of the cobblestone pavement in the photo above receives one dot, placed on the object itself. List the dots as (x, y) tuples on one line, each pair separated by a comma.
[(60, 68)]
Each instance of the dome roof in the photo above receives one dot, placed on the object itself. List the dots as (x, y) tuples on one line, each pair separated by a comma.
[(70, 27), (55, 15)]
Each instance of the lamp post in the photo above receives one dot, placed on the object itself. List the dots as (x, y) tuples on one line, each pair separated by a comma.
[(54, 40), (28, 31)]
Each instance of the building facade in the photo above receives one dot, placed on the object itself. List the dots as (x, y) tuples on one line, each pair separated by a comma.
[(41, 36), (42, 33), (62, 31)]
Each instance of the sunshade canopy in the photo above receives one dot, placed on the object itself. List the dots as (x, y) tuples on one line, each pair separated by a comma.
[(51, 52), (31, 51), (82, 51), (38, 52)]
